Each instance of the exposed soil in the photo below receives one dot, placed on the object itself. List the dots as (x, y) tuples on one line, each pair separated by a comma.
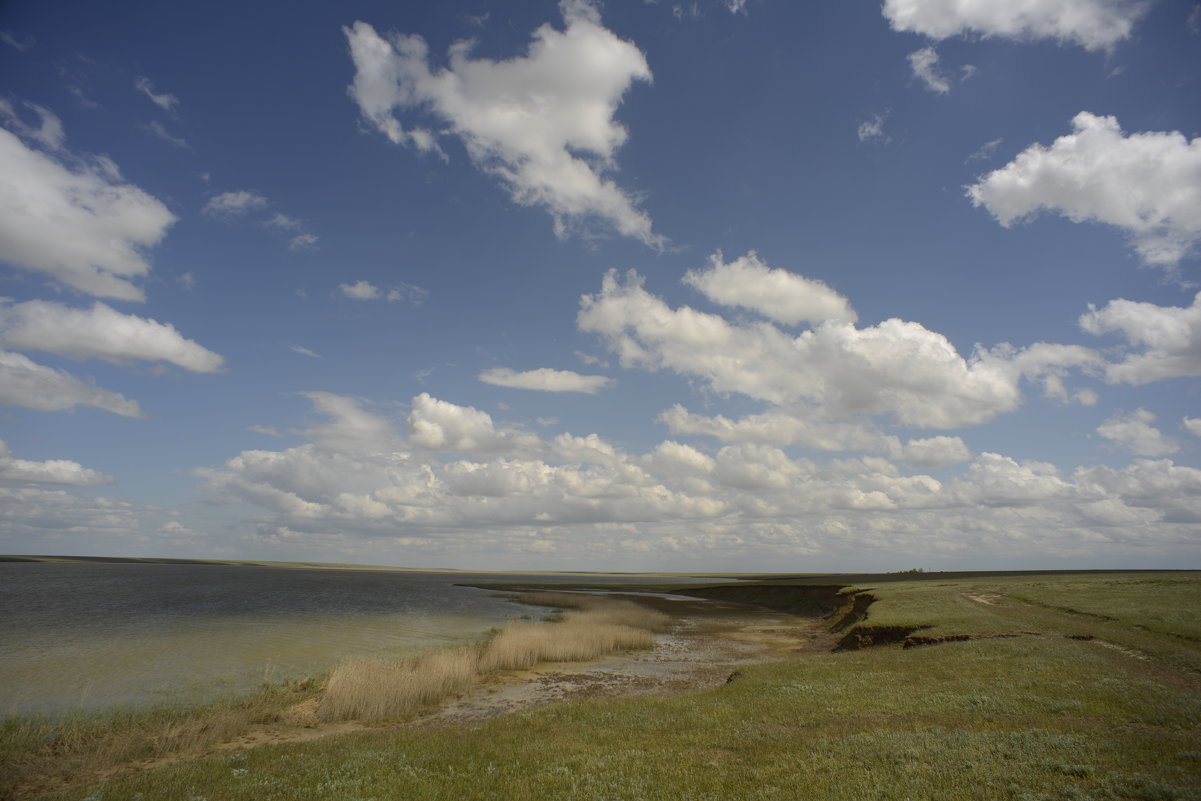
[(707, 643)]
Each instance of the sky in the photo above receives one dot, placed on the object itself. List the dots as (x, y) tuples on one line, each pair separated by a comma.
[(721, 285)]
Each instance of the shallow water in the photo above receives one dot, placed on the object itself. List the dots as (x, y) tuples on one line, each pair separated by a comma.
[(81, 637)]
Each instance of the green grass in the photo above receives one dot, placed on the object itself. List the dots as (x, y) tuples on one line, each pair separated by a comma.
[(1038, 718)]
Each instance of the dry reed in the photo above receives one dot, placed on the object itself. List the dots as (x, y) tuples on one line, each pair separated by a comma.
[(576, 640), (380, 689), (396, 689), (600, 609)]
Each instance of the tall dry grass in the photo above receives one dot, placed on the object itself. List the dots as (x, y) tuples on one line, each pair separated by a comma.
[(526, 644), (396, 689), (600, 609), (381, 689)]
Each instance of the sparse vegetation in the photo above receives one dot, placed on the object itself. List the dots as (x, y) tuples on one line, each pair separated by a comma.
[(399, 689), (1045, 716)]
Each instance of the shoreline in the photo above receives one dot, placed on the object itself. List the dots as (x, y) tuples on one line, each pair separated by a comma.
[(1101, 693)]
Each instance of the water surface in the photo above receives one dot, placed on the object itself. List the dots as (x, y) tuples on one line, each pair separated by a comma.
[(85, 636)]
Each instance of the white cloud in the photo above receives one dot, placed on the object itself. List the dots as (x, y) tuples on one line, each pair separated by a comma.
[(232, 204), (1093, 24), (49, 132), (156, 128), (303, 351), (736, 6), (360, 290), (1147, 184), (873, 129), (24, 382), (283, 221), (782, 296), (100, 333), (1170, 338), (443, 426), (1135, 432), (543, 123), (303, 242), (52, 471), (996, 480), (896, 367), (800, 426), (583, 498), (166, 101), (924, 64), (408, 293), (545, 379), (81, 226), (41, 515), (365, 290), (1192, 425), (270, 431), (986, 150), (935, 452)]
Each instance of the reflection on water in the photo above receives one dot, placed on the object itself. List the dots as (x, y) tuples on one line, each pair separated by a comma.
[(89, 636)]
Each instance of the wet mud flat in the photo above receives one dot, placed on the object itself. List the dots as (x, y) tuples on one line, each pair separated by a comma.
[(707, 643)]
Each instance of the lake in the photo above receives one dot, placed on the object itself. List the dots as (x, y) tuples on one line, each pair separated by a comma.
[(88, 636)]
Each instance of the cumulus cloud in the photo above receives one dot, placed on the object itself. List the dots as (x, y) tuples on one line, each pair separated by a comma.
[(800, 426), (544, 379), (935, 452), (1146, 184), (233, 204), (543, 123), (361, 290), (583, 497), (897, 368), (1192, 425), (24, 382), (1135, 432), (48, 133), (779, 295), (443, 426), (1169, 338), (100, 333), (1092, 24), (51, 471), (924, 64), (38, 514), (78, 224)]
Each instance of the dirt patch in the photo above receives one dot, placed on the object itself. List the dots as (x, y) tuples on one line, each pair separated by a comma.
[(862, 637), (707, 643), (986, 598)]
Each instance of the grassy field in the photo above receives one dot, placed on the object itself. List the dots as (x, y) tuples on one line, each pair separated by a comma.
[(1094, 693)]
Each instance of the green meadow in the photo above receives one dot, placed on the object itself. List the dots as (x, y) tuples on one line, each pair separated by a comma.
[(1039, 686)]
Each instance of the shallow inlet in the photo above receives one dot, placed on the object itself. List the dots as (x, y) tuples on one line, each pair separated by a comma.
[(83, 637)]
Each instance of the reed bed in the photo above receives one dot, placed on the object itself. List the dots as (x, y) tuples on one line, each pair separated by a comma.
[(378, 689), (526, 644), (600, 609), (396, 689)]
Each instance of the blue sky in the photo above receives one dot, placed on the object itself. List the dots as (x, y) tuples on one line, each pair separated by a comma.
[(713, 285)]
